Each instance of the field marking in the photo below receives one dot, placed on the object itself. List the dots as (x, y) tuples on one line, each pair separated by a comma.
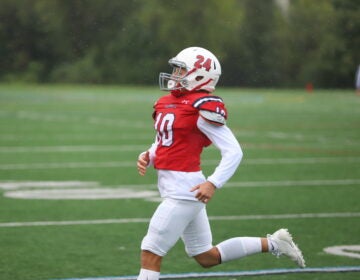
[(351, 251), (115, 164), (102, 148), (71, 149), (83, 137), (199, 275), (46, 117), (292, 183), (14, 185), (66, 165), (70, 190), (212, 218), (82, 194)]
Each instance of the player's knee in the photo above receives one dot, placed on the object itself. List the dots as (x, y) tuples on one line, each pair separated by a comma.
[(206, 264)]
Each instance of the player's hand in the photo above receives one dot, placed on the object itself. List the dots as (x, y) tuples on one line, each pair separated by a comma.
[(143, 162), (205, 191)]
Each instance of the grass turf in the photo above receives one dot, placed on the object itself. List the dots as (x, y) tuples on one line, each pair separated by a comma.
[(94, 133)]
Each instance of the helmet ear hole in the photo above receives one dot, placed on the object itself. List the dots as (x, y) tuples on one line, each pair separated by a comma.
[(198, 78)]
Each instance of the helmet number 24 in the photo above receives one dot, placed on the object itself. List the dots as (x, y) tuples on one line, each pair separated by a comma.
[(202, 63)]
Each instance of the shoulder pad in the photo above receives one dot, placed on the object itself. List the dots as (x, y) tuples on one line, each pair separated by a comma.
[(212, 104), (198, 103), (212, 117)]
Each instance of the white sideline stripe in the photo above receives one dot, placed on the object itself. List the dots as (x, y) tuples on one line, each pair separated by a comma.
[(213, 218), (114, 164), (199, 275)]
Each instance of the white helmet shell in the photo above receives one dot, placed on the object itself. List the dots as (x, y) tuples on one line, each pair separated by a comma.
[(202, 71)]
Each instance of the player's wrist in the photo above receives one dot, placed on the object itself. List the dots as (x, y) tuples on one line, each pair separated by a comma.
[(212, 184)]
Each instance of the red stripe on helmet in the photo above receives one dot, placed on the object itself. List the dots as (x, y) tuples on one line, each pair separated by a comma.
[(203, 84), (190, 72)]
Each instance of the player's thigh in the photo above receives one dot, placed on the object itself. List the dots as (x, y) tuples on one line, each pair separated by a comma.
[(168, 224), (197, 235)]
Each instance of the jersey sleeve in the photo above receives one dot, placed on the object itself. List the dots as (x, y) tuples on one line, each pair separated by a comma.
[(212, 109)]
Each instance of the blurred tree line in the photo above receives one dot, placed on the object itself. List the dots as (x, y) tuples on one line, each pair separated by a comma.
[(277, 43)]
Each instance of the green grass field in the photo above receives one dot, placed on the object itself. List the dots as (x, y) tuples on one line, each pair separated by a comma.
[(63, 147)]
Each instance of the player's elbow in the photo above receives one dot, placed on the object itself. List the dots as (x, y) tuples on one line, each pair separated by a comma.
[(237, 154), (234, 155)]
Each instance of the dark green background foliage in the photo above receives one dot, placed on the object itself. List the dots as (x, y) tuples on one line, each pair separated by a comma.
[(259, 43)]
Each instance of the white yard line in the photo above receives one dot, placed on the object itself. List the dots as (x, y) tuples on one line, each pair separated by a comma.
[(75, 136), (213, 218), (66, 165), (293, 183), (258, 161), (9, 185), (71, 149), (94, 190), (48, 117), (13, 185), (139, 148), (310, 160)]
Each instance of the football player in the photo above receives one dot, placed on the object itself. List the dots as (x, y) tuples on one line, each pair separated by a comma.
[(186, 120)]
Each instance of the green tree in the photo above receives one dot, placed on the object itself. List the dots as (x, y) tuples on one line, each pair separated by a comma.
[(255, 49), (89, 27), (347, 34), (23, 49), (159, 29), (312, 41), (129, 42)]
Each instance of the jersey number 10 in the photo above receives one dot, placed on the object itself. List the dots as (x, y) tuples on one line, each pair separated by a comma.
[(164, 127)]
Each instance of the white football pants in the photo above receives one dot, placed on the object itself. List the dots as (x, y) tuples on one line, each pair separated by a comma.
[(175, 219)]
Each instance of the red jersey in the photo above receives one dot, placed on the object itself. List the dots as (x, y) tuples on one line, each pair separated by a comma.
[(179, 140)]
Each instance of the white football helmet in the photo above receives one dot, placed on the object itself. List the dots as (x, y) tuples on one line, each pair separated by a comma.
[(194, 69)]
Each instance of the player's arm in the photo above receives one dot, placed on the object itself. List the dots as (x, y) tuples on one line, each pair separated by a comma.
[(231, 155), (212, 122), (231, 152)]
